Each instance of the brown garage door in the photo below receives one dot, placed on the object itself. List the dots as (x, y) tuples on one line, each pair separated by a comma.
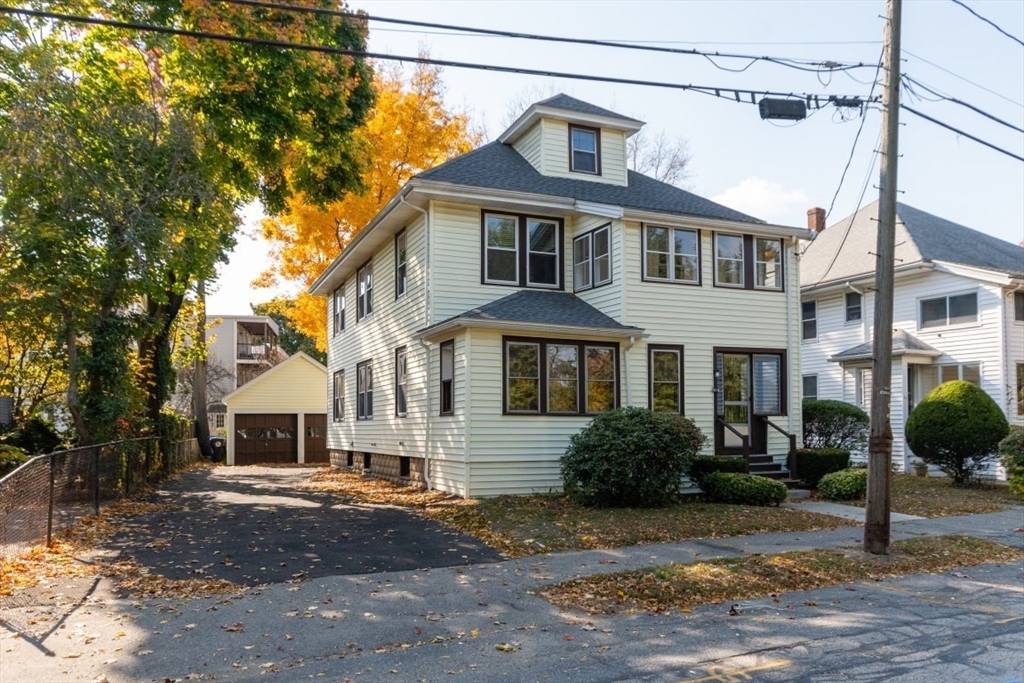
[(316, 437), (265, 437)]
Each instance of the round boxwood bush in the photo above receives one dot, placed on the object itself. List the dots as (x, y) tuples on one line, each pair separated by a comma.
[(814, 463), (11, 458), (834, 424), (630, 457), (743, 489), (705, 465), (1012, 450), (956, 427), (843, 485)]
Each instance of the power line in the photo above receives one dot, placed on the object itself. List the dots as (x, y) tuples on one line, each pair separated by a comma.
[(799, 64), (738, 94), (960, 132), (991, 23), (965, 80), (954, 100)]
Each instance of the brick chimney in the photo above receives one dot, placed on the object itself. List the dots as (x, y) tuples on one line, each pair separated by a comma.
[(816, 219)]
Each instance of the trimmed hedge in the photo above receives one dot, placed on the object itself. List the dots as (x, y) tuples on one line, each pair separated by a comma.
[(814, 463), (11, 458), (630, 457), (844, 485), (834, 424), (1012, 450), (743, 489), (705, 465)]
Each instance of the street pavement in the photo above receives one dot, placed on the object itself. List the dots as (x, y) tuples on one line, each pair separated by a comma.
[(485, 622)]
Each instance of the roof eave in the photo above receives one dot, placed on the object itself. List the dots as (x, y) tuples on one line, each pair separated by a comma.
[(863, 279), (520, 326), (755, 228), (895, 354)]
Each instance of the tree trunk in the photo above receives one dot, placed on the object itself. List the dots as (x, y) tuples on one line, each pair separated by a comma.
[(199, 378)]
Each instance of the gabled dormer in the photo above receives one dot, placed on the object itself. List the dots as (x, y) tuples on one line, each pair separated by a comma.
[(563, 137)]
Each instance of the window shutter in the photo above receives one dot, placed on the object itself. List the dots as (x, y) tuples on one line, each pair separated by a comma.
[(767, 385)]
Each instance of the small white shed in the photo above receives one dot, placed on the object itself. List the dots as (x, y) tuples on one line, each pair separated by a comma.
[(280, 416)]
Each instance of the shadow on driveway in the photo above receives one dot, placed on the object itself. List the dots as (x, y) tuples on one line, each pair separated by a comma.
[(253, 525)]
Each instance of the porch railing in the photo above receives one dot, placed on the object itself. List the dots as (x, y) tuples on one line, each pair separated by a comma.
[(791, 456), (744, 440)]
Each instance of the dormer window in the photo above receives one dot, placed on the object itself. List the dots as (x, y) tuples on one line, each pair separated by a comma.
[(583, 149)]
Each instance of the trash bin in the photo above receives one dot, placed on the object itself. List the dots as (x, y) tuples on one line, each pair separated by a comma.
[(218, 448)]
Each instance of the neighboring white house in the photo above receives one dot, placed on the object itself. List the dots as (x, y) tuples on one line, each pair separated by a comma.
[(241, 348), (503, 298), (278, 417), (958, 313)]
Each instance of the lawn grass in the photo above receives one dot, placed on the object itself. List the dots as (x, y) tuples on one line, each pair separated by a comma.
[(518, 526), (683, 586), (937, 497)]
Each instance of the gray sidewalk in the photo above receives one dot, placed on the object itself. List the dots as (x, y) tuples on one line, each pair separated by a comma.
[(444, 624)]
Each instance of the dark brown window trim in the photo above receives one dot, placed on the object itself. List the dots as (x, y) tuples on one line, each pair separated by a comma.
[(582, 379), (749, 259), (784, 377), (651, 348), (522, 249), (450, 344), (398, 294), (611, 269), (597, 148), (658, 281), (400, 351)]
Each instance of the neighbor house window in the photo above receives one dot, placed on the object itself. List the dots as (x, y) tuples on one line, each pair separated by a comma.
[(810, 386), (949, 310), (559, 377), (592, 259), (671, 255), (401, 381), (364, 390), (338, 300), (854, 310), (218, 421), (401, 264), (448, 377), (522, 251), (729, 260), (339, 396), (583, 149), (665, 370), (809, 319), (767, 263), (1018, 306), (364, 283)]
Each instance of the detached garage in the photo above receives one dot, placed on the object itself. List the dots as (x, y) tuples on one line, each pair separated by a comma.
[(280, 417)]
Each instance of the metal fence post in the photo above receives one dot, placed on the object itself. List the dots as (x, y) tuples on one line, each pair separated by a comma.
[(96, 488), (49, 515)]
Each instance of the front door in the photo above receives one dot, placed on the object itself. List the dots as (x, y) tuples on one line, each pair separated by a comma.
[(747, 386)]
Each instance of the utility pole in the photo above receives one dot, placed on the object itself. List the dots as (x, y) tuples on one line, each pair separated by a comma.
[(876, 519)]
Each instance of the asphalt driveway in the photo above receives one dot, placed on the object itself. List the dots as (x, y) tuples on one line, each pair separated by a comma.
[(254, 525)]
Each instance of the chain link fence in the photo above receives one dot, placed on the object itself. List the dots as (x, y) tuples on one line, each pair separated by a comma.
[(52, 492)]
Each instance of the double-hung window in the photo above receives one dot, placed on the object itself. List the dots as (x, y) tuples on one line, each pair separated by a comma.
[(767, 263), (592, 259), (809, 319), (949, 310), (854, 307), (401, 382), (729, 260), (810, 386), (665, 370), (671, 255), (339, 396), (1018, 306), (364, 390), (559, 377), (338, 303), (748, 262), (364, 283), (584, 144), (522, 251), (401, 265), (448, 377)]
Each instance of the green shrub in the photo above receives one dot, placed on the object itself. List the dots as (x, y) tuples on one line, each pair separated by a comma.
[(705, 465), (743, 489), (35, 435), (814, 463), (956, 427), (11, 458), (834, 424), (844, 485), (630, 457), (1012, 450)]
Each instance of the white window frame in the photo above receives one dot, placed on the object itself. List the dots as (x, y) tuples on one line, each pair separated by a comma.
[(778, 263), (847, 307), (920, 311), (592, 258), (339, 396), (364, 290), (401, 265), (364, 390), (401, 381), (672, 254), (803, 386), (596, 132), (742, 260), (804, 321)]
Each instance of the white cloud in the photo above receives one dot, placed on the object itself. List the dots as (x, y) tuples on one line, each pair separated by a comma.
[(766, 200)]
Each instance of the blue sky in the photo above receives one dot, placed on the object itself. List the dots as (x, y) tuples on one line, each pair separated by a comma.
[(772, 170)]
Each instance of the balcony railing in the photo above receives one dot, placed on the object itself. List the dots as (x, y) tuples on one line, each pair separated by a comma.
[(258, 351)]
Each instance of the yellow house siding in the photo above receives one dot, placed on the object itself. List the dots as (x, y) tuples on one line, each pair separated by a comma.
[(606, 298), (530, 147), (556, 154)]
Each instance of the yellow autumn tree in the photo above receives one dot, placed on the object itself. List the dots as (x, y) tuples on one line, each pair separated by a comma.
[(409, 130)]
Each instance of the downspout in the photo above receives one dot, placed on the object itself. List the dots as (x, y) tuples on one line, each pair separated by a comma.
[(625, 364), (426, 345), (789, 332)]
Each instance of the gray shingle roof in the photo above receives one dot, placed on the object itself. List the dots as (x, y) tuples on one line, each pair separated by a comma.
[(500, 166), (902, 344), (563, 101), (543, 308), (920, 237)]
